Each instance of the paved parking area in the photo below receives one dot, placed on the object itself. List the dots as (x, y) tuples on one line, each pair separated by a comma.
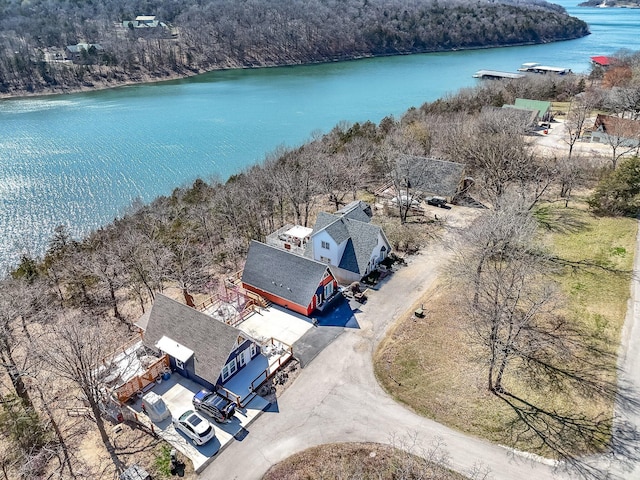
[(177, 393), (276, 322)]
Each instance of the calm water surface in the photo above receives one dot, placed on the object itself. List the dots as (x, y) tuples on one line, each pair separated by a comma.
[(80, 160)]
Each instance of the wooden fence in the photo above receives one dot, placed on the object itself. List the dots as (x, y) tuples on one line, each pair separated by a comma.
[(140, 382)]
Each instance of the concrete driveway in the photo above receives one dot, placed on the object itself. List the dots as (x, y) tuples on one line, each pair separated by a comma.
[(337, 398), (177, 393)]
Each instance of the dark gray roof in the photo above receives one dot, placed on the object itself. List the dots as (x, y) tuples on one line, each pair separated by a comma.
[(211, 340), (496, 119), (443, 178), (289, 276), (356, 210), (322, 221), (362, 238), (333, 225)]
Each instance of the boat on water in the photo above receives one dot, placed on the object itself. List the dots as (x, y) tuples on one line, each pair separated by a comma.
[(532, 67)]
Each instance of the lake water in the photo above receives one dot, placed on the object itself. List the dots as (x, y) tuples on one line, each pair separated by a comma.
[(81, 159)]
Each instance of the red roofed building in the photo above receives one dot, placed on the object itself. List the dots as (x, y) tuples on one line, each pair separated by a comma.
[(601, 61)]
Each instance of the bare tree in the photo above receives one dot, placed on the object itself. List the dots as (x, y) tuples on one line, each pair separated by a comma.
[(72, 350), (622, 135), (568, 173), (579, 111), (515, 316), (14, 305), (407, 176)]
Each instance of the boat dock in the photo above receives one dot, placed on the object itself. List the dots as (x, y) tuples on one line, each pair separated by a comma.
[(537, 68), (496, 75)]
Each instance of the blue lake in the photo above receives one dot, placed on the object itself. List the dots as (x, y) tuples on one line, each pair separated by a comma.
[(81, 159)]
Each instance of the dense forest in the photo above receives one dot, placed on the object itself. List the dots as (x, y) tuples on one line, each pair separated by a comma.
[(192, 37)]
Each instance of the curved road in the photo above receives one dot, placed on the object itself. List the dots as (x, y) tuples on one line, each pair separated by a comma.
[(337, 398)]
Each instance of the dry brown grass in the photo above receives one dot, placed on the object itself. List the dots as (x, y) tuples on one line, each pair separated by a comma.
[(355, 461), (431, 366)]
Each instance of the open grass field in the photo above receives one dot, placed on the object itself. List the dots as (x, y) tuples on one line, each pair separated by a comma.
[(357, 461), (432, 366)]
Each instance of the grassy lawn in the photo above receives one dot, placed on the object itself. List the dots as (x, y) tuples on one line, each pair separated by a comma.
[(358, 460), (431, 366)]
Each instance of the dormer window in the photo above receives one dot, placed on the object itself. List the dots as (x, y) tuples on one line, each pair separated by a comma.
[(325, 245)]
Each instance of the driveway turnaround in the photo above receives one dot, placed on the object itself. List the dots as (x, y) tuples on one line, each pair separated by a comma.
[(336, 398)]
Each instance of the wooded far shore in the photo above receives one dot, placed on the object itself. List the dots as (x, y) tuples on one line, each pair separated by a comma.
[(61, 48)]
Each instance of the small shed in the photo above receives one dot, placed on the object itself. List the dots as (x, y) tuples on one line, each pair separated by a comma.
[(154, 407)]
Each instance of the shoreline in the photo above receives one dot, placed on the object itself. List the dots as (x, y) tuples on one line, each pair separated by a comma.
[(173, 76)]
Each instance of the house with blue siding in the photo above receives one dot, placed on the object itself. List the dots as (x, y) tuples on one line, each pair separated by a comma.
[(199, 347)]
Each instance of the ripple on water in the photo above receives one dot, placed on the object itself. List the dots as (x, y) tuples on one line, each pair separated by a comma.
[(80, 160)]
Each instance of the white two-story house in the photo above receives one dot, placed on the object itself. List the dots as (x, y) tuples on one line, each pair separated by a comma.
[(348, 242)]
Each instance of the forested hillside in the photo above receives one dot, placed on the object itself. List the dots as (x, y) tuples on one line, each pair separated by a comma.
[(210, 34)]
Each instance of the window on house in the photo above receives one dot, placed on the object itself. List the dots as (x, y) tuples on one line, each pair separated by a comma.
[(253, 350), (325, 259), (179, 364), (325, 245), (328, 290), (229, 369)]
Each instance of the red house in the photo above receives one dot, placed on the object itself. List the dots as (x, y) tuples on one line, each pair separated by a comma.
[(291, 281)]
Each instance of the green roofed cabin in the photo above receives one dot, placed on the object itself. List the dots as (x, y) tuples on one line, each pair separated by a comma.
[(543, 108)]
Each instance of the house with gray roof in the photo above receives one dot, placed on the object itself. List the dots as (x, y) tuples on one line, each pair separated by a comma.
[(199, 347), (347, 242), (433, 176), (83, 52), (286, 279)]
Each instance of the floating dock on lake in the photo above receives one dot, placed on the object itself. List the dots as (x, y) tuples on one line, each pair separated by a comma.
[(537, 68), (496, 75)]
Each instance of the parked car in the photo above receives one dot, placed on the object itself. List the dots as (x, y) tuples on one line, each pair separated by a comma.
[(217, 407), (438, 202), (195, 426)]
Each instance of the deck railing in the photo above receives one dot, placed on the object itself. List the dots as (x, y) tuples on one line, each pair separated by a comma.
[(273, 367), (140, 382)]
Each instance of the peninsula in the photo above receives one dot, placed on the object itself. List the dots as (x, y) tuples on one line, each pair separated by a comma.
[(51, 47)]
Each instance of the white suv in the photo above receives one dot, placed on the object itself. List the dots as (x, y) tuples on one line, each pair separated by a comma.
[(195, 426)]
